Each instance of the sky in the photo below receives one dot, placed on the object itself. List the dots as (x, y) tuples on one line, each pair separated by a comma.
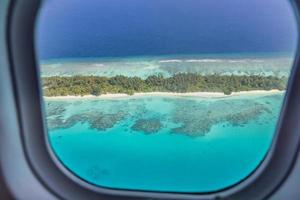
[(116, 28)]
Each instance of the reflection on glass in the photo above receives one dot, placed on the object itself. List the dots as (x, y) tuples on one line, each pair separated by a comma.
[(179, 96)]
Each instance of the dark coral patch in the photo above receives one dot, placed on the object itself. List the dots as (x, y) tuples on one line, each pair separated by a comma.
[(196, 119), (147, 125), (96, 120)]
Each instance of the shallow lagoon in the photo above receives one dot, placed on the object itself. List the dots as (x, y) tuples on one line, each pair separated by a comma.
[(168, 65), (181, 144)]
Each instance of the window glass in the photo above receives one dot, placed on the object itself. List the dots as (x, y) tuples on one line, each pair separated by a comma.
[(172, 95)]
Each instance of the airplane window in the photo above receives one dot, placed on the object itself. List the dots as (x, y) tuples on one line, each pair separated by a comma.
[(171, 96)]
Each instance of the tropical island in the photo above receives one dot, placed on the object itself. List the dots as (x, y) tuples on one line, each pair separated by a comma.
[(178, 83)]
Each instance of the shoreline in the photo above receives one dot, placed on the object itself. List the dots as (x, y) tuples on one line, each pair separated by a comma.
[(170, 94)]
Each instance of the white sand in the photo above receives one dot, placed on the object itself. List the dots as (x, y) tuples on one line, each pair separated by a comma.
[(174, 94)]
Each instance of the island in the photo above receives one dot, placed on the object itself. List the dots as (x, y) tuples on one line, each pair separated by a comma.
[(178, 83)]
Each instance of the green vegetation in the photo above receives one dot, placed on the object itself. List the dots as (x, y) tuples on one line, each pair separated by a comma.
[(182, 82)]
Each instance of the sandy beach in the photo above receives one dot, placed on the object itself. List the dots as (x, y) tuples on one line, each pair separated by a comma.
[(170, 94)]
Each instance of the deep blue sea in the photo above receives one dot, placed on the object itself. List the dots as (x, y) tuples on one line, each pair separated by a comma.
[(118, 28), (160, 143)]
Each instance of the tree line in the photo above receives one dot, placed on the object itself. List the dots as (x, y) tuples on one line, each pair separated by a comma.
[(182, 82)]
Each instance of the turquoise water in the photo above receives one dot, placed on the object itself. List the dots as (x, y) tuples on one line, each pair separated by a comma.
[(276, 64), (180, 144)]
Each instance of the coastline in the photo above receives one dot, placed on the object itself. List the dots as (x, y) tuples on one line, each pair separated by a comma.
[(170, 94)]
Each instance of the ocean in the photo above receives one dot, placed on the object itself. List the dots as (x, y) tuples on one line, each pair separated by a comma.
[(118, 28), (175, 144)]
